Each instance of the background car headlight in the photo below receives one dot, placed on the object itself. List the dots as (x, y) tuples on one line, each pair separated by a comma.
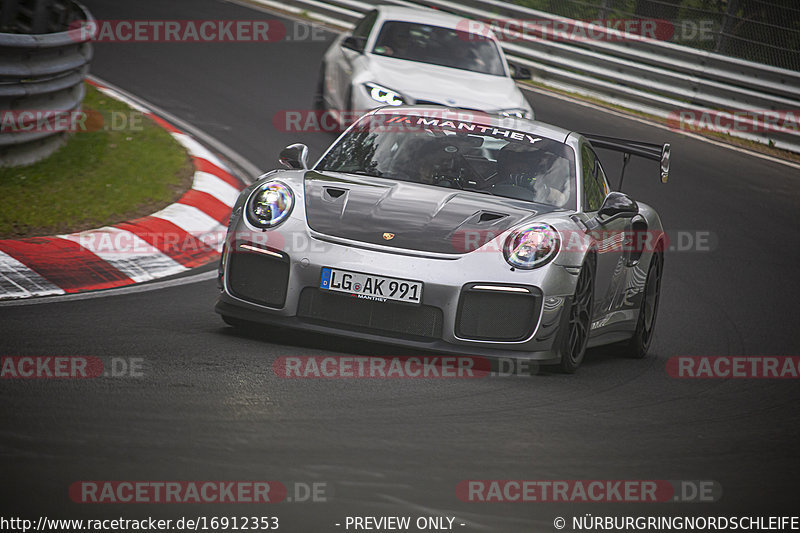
[(269, 205), (518, 113), (532, 246), (383, 95)]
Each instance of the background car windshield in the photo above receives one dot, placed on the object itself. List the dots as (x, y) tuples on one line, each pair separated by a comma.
[(443, 153), (439, 46)]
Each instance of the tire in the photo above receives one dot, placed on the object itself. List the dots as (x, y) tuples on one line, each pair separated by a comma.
[(637, 347), (575, 339)]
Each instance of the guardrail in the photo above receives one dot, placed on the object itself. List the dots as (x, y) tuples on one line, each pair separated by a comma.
[(647, 75), (41, 75)]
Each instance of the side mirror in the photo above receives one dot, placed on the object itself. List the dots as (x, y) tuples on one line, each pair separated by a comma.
[(618, 205), (354, 43), (665, 150), (518, 72), (294, 156)]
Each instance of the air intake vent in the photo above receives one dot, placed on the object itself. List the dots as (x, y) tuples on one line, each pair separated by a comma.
[(258, 278), (497, 315), (334, 193), (491, 217)]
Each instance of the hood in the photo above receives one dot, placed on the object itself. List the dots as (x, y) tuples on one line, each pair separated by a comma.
[(445, 86), (418, 217)]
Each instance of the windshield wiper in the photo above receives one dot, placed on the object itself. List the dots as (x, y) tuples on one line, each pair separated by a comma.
[(375, 174), (481, 191)]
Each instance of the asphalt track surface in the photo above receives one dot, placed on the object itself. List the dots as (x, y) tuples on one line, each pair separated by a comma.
[(209, 406)]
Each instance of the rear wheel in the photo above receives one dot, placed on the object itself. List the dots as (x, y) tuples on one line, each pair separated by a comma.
[(575, 339), (637, 347)]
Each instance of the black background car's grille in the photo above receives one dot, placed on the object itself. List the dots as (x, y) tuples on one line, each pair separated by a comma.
[(497, 316), (356, 313), (258, 278)]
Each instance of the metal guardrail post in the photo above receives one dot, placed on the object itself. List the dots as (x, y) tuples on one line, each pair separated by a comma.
[(40, 73)]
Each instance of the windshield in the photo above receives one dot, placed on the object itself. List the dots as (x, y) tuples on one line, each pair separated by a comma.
[(439, 46), (456, 154)]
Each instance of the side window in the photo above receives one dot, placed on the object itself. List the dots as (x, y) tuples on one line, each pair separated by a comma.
[(602, 178), (593, 182), (364, 26)]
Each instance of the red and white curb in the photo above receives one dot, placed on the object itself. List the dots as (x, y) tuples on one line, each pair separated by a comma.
[(181, 236)]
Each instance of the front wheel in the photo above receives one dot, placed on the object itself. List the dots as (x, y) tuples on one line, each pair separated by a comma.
[(637, 347), (575, 339)]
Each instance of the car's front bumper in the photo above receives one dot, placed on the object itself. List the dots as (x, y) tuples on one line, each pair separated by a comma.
[(280, 285)]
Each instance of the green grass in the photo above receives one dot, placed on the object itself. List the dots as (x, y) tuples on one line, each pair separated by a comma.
[(97, 178)]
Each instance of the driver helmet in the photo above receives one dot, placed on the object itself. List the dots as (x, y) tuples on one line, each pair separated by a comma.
[(515, 165)]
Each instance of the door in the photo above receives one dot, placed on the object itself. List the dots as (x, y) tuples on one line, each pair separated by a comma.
[(610, 237)]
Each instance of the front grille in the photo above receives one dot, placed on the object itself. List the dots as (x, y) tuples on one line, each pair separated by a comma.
[(258, 278), (387, 318), (496, 315)]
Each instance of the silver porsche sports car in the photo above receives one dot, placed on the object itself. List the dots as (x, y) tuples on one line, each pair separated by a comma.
[(453, 231), (401, 55)]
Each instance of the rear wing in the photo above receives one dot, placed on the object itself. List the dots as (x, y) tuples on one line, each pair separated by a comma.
[(656, 152)]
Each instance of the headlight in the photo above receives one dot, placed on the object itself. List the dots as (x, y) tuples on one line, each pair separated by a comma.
[(518, 113), (269, 205), (384, 95), (532, 246)]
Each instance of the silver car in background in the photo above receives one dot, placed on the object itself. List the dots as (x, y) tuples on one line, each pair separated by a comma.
[(399, 55)]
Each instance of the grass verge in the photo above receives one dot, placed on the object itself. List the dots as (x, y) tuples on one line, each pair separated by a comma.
[(127, 168)]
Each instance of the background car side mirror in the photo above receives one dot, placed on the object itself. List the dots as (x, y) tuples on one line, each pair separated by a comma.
[(294, 156), (354, 43), (518, 72), (618, 205)]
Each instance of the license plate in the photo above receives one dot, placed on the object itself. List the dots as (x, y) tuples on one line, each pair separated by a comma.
[(371, 287)]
